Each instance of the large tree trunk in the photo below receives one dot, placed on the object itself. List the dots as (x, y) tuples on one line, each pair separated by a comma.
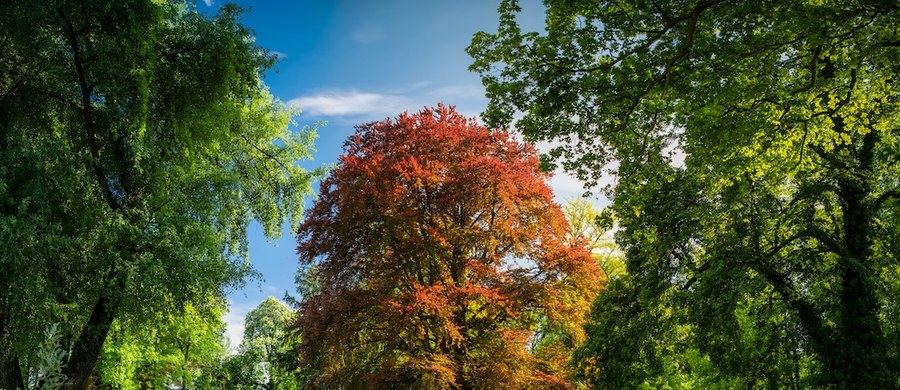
[(861, 360), (11, 374), (87, 347), (86, 350), (10, 370)]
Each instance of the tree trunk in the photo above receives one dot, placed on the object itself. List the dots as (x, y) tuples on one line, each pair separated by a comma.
[(11, 374), (87, 347), (861, 360), (10, 370)]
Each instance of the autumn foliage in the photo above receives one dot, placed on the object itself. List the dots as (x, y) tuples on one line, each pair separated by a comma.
[(440, 261)]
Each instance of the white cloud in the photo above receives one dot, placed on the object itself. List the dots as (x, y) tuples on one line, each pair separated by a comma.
[(350, 103), (675, 149), (208, 3), (234, 323), (359, 106), (279, 54), (458, 92), (566, 186), (376, 105), (417, 85)]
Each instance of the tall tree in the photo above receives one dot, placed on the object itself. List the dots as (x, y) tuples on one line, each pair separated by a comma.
[(776, 236), (258, 364), (438, 251), (137, 141)]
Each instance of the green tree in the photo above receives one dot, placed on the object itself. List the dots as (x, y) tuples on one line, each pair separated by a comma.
[(596, 229), (137, 141), (258, 362), (175, 349), (768, 255)]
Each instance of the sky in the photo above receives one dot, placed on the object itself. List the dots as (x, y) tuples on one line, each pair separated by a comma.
[(347, 62)]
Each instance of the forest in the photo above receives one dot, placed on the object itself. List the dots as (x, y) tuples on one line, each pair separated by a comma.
[(747, 149)]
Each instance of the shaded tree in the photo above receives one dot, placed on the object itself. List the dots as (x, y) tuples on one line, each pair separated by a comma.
[(438, 253), (768, 254)]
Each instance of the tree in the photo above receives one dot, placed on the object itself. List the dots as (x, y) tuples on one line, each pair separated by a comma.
[(770, 252), (595, 227), (175, 350), (586, 224), (437, 251), (258, 363), (137, 141)]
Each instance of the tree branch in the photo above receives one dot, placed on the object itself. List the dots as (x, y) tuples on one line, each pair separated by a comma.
[(807, 313), (87, 114), (884, 197), (671, 23)]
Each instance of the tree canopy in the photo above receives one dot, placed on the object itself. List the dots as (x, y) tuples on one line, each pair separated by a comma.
[(259, 363), (441, 261), (755, 205), (137, 141), (755, 146)]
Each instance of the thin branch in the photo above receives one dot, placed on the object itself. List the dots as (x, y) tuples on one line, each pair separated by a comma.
[(87, 113), (62, 99), (265, 152)]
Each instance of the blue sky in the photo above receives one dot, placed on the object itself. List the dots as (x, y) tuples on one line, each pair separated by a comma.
[(347, 62)]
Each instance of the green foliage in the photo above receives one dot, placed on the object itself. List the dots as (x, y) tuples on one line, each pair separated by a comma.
[(176, 350), (50, 357), (137, 141), (259, 361), (767, 258), (595, 228)]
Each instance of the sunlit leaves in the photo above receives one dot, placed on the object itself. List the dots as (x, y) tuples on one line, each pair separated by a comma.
[(773, 230), (177, 349)]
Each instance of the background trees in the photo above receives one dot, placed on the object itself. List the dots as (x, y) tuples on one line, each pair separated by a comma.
[(137, 141), (259, 363), (766, 258), (596, 227), (439, 255)]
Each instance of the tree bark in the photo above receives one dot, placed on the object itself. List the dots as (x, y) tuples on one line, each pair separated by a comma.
[(87, 347), (10, 370), (861, 360), (11, 374), (86, 351)]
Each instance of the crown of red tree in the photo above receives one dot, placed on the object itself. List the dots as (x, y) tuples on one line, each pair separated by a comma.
[(439, 255)]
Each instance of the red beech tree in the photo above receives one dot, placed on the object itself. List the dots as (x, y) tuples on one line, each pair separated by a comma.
[(441, 261)]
